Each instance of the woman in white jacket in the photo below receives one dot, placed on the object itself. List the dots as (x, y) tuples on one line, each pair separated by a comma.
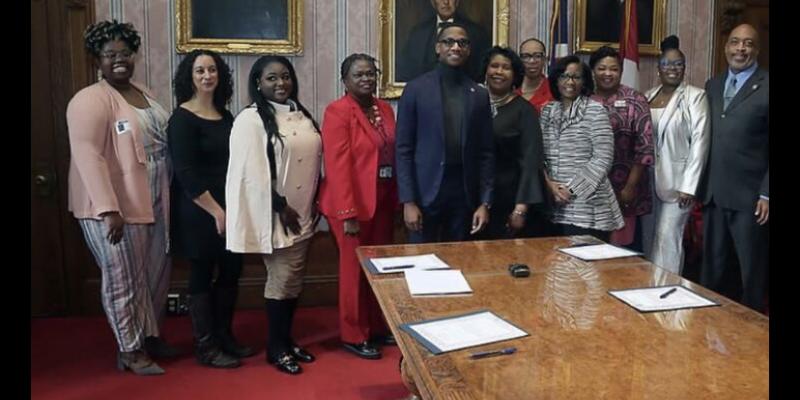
[(680, 127), (273, 173)]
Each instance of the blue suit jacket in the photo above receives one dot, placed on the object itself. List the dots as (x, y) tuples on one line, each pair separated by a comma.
[(421, 144)]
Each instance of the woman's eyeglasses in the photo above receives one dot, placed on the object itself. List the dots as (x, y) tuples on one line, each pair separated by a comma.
[(565, 77), (527, 57), (677, 64)]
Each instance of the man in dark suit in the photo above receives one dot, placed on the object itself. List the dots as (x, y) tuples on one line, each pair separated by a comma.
[(445, 154), (417, 56), (736, 183)]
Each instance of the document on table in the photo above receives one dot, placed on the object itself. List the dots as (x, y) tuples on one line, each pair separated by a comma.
[(662, 298), (597, 252), (388, 265), (436, 282), (462, 331)]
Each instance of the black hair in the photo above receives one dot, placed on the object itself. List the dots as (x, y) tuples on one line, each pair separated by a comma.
[(98, 34), (445, 25), (264, 108), (533, 39), (352, 58), (184, 85), (603, 52), (516, 63), (671, 42), (587, 87)]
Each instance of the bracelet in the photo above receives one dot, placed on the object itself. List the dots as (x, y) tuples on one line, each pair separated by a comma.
[(520, 213)]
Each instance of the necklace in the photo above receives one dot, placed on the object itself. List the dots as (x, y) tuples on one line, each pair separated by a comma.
[(497, 102)]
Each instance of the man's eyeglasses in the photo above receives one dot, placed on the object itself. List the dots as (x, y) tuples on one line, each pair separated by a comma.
[(565, 77), (532, 56), (677, 64), (365, 75), (112, 55), (449, 42)]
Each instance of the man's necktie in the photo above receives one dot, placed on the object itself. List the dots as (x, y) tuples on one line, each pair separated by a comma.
[(730, 92)]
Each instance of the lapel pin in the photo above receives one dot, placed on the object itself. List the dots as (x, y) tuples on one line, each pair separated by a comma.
[(755, 86), (472, 89)]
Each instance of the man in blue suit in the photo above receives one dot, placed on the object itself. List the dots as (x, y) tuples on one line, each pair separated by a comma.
[(445, 154), (736, 184)]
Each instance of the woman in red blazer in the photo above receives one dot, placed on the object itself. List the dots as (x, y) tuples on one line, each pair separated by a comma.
[(358, 195)]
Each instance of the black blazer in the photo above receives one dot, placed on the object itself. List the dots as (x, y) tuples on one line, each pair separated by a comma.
[(737, 170)]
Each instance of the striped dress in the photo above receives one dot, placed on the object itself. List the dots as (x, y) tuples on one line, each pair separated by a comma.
[(579, 149)]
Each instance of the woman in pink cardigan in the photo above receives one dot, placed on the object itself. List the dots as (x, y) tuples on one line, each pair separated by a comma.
[(119, 192)]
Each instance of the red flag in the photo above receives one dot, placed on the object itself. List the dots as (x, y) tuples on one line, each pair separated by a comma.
[(629, 45)]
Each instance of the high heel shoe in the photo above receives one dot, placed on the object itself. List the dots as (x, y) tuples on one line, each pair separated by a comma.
[(138, 362)]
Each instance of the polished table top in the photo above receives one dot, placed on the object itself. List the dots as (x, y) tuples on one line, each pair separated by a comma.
[(583, 343)]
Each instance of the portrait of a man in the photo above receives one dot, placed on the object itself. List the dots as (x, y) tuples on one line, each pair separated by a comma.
[(417, 25)]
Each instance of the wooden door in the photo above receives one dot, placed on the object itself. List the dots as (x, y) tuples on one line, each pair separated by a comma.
[(59, 68), (731, 13)]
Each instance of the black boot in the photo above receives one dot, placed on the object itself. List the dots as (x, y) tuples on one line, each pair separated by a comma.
[(278, 346), (298, 352), (224, 305), (206, 349)]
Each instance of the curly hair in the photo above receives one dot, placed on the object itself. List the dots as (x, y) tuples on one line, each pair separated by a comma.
[(184, 84), (98, 34), (516, 63), (587, 86), (603, 52), (352, 58)]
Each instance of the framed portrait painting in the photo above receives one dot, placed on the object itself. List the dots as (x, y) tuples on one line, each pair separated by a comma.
[(597, 23), (408, 30), (240, 26)]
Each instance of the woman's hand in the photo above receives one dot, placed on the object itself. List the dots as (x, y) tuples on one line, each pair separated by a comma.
[(351, 227), (114, 223), (290, 220), (412, 217), (560, 193), (516, 220), (627, 196), (219, 221)]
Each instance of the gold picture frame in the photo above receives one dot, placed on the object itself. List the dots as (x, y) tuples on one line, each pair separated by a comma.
[(389, 87), (240, 26), (603, 22)]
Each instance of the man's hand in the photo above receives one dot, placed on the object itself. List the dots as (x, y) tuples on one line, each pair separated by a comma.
[(762, 211), (479, 219), (685, 200), (412, 216)]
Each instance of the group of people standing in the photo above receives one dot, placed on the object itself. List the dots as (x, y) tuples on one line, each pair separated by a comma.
[(522, 155)]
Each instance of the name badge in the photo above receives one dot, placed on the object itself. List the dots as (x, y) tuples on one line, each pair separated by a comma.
[(385, 172), (619, 103), (122, 126)]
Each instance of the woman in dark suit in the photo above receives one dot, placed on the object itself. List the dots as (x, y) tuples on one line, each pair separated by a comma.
[(358, 194), (517, 145), (198, 134)]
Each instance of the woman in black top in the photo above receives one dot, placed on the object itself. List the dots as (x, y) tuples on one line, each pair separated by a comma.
[(517, 146), (198, 135)]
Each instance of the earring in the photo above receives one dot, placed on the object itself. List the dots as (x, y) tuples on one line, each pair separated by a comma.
[(99, 75)]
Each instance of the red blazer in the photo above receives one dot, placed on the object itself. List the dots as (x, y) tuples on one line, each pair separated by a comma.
[(350, 153)]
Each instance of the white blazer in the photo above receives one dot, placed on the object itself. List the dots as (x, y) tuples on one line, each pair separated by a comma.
[(682, 140)]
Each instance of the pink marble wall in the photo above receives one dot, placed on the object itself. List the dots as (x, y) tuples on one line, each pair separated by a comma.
[(335, 28)]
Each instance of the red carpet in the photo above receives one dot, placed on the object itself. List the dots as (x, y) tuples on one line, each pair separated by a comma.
[(74, 358)]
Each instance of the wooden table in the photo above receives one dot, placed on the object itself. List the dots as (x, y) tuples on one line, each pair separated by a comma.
[(583, 343)]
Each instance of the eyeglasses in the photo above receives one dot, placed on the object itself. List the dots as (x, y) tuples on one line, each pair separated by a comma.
[(112, 55), (449, 42), (532, 57), (365, 75), (677, 64), (565, 77)]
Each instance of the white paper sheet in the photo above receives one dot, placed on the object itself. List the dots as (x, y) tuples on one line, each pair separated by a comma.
[(597, 252), (649, 299), (436, 282), (466, 331), (389, 265)]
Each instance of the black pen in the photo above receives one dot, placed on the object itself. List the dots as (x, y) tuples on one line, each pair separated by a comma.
[(667, 293), (399, 267), (493, 353)]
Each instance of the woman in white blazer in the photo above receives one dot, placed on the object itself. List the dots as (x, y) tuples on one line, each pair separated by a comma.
[(679, 112), (273, 173)]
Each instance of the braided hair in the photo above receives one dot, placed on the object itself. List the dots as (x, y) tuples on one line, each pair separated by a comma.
[(98, 34)]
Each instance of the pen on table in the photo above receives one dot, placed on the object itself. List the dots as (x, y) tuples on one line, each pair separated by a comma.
[(667, 293), (493, 353), (398, 267)]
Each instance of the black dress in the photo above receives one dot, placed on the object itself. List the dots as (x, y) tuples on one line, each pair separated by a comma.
[(519, 156), (200, 149)]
